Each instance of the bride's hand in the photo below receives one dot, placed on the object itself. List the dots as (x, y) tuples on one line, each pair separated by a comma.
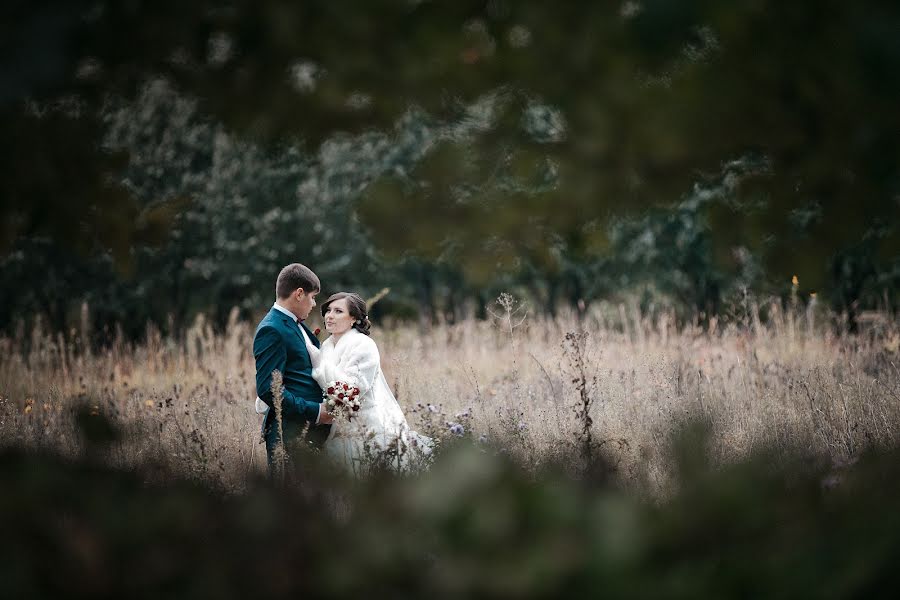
[(315, 355)]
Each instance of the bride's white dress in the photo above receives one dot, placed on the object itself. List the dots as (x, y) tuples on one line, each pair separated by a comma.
[(379, 427)]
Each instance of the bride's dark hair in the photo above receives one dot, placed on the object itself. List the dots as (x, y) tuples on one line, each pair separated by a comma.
[(357, 307)]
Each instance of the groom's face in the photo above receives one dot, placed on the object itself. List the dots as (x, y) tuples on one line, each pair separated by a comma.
[(304, 303)]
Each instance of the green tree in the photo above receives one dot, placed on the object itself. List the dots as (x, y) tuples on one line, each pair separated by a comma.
[(577, 114)]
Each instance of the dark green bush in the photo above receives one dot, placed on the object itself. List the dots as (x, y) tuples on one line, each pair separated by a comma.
[(473, 525)]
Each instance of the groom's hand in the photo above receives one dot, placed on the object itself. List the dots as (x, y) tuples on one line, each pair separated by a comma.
[(325, 417)]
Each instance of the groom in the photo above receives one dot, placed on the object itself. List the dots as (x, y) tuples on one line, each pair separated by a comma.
[(280, 344)]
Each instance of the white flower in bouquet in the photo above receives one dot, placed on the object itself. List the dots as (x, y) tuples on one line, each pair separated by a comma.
[(341, 400)]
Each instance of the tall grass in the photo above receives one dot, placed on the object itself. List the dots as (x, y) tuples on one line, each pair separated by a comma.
[(620, 384)]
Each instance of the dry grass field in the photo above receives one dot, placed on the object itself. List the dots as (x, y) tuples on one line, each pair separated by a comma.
[(794, 383)]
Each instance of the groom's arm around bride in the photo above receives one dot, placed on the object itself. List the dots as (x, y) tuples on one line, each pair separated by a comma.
[(271, 355)]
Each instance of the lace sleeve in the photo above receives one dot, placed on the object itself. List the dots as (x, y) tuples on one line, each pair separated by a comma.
[(358, 366)]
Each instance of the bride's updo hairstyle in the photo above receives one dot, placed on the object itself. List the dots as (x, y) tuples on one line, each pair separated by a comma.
[(357, 307)]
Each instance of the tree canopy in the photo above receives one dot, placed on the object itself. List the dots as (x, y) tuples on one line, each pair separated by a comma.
[(545, 125)]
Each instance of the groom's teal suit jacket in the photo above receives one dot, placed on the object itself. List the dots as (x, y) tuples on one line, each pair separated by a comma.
[(279, 345)]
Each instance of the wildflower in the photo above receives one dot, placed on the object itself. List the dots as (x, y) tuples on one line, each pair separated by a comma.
[(432, 408), (470, 56), (457, 429)]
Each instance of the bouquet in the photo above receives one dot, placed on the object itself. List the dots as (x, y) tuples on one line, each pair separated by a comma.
[(341, 400)]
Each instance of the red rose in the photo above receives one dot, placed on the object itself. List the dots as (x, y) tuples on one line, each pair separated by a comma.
[(346, 387), (331, 390), (340, 395), (316, 331)]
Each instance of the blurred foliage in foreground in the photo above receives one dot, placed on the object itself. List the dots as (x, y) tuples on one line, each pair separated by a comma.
[(165, 159), (472, 525)]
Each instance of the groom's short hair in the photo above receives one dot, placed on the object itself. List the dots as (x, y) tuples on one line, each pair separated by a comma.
[(296, 276)]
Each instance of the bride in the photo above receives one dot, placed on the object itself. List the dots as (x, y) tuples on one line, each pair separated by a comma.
[(378, 432)]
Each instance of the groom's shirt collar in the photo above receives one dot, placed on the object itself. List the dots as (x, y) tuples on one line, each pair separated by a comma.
[(293, 317), (279, 307)]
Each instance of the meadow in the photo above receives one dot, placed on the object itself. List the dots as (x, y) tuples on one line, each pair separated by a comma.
[(540, 390)]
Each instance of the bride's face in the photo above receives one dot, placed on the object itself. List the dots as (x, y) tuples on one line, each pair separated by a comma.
[(337, 317)]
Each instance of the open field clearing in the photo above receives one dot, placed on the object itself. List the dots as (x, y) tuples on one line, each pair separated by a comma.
[(788, 386)]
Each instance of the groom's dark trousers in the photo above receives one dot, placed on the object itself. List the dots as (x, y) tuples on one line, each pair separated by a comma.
[(279, 346)]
